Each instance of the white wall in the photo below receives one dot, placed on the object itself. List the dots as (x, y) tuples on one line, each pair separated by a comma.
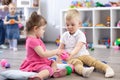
[(50, 9)]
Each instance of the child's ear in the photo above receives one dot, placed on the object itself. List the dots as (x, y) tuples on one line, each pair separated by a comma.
[(80, 24), (35, 28)]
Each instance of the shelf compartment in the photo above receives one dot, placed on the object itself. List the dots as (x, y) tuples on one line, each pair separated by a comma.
[(115, 17), (86, 18), (115, 35), (100, 18), (89, 34), (101, 36)]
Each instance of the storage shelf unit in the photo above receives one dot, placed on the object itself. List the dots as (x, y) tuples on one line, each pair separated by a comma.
[(97, 34)]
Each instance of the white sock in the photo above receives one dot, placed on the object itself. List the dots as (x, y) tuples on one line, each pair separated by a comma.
[(87, 71), (109, 72)]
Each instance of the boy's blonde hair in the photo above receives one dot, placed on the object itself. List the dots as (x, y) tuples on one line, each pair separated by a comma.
[(72, 13), (12, 4)]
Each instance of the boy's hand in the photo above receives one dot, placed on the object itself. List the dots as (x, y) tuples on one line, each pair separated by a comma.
[(70, 57)]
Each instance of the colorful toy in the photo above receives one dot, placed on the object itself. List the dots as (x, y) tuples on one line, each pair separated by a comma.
[(69, 70), (20, 25), (12, 21), (4, 63), (75, 4), (57, 41), (98, 4), (108, 21), (90, 46), (64, 55), (117, 43), (7, 65), (118, 24), (68, 67)]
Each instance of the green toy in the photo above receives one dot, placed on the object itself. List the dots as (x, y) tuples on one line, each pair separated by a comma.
[(117, 42), (98, 4), (69, 70)]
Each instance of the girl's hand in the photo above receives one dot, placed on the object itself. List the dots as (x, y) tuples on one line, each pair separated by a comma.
[(59, 52), (5, 8)]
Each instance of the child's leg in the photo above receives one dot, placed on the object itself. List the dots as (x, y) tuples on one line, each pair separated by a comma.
[(41, 75), (14, 44), (90, 61), (10, 44), (58, 72), (78, 65)]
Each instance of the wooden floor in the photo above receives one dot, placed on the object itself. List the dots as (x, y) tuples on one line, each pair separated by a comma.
[(111, 56)]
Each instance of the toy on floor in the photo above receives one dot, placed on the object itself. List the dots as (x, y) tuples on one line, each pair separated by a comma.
[(105, 41), (4, 63), (90, 46), (117, 44)]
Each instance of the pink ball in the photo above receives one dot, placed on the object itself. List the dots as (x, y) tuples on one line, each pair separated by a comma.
[(7, 65), (3, 62)]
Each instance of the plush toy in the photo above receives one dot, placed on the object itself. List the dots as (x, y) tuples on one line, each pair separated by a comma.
[(98, 4)]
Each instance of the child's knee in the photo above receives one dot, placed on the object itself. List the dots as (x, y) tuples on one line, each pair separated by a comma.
[(51, 71), (75, 62)]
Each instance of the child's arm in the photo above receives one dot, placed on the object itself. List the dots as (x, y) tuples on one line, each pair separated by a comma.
[(47, 53), (76, 49), (19, 20), (5, 21)]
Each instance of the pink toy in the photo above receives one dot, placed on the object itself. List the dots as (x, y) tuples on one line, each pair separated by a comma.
[(7, 65), (118, 24), (64, 55), (20, 25), (116, 47), (3, 62)]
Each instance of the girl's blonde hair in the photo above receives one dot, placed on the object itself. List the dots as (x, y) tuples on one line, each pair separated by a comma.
[(35, 20), (72, 13)]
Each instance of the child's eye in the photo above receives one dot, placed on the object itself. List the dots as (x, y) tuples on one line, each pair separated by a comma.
[(72, 24), (67, 24)]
